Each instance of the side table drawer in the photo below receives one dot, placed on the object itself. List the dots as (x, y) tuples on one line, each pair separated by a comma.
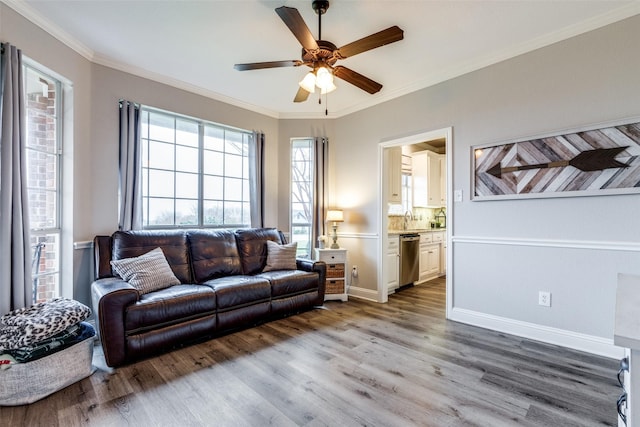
[(332, 257), (335, 270), (335, 286)]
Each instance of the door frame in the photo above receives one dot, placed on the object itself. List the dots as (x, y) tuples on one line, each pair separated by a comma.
[(446, 133)]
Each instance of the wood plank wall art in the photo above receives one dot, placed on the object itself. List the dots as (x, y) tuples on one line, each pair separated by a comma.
[(600, 161)]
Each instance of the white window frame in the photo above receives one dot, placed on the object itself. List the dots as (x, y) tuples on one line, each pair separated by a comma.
[(201, 195), (53, 268), (305, 243)]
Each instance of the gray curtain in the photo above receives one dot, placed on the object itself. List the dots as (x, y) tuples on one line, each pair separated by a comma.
[(130, 196), (321, 164), (256, 179), (15, 263)]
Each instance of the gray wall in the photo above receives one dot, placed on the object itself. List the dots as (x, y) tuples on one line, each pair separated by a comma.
[(111, 85), (579, 241), (68, 65)]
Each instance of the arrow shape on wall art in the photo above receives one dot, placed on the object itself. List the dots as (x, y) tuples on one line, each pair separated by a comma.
[(587, 161)]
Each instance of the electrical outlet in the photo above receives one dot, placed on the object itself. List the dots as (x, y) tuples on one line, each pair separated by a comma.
[(354, 271), (544, 298)]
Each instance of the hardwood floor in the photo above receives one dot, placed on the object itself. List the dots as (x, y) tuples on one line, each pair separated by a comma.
[(352, 364)]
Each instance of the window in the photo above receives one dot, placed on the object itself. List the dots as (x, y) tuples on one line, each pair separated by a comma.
[(407, 192), (302, 195), (194, 173), (43, 96)]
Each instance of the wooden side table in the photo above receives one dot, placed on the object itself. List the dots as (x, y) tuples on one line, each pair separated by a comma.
[(336, 260)]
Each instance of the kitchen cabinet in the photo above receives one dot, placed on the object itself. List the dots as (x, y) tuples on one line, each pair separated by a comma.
[(393, 259), (429, 257), (443, 180), (443, 258), (394, 162), (441, 238), (336, 260), (427, 182)]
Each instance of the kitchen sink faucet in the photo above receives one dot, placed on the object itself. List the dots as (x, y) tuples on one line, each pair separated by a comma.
[(407, 219)]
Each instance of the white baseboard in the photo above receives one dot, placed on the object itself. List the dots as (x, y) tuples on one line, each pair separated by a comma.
[(577, 341), (363, 293)]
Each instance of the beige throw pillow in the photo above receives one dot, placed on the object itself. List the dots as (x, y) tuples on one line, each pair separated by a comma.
[(281, 257), (147, 273)]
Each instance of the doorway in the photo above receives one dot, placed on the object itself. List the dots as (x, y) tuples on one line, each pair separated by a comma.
[(439, 140)]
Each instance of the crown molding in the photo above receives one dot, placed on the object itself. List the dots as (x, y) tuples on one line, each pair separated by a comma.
[(432, 79), (475, 64), (45, 24), (180, 84)]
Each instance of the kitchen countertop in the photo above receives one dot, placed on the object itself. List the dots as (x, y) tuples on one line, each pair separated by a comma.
[(415, 230)]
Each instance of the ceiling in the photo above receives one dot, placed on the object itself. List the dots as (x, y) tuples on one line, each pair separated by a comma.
[(194, 44)]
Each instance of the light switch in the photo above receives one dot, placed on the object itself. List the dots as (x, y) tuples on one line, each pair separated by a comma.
[(457, 195)]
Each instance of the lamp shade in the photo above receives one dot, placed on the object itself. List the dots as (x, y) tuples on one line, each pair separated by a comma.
[(335, 216), (329, 89), (308, 83), (324, 78)]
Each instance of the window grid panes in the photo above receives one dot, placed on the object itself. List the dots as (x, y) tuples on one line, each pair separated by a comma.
[(194, 173), (407, 193), (43, 153), (302, 195)]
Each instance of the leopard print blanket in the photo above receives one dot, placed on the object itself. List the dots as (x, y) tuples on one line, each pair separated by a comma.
[(27, 326)]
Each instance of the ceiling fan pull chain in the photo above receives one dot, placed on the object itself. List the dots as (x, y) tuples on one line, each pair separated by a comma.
[(326, 105)]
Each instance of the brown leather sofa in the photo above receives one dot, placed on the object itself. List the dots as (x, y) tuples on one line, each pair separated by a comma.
[(222, 288)]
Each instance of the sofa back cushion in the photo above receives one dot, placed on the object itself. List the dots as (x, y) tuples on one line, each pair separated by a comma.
[(252, 245), (214, 254), (127, 244)]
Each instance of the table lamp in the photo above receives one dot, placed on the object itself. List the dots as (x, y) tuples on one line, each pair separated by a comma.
[(335, 216)]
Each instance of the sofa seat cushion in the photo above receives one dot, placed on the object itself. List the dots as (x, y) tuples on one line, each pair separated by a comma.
[(290, 282), (237, 291), (170, 305)]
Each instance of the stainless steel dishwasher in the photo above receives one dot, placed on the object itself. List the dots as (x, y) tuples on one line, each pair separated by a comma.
[(409, 258)]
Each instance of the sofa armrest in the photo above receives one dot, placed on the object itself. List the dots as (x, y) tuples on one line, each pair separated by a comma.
[(319, 267), (110, 298)]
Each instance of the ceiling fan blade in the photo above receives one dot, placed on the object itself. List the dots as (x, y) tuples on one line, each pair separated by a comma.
[(270, 64), (302, 95), (356, 79), (381, 38), (296, 24)]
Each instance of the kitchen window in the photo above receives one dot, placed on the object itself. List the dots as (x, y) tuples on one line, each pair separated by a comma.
[(407, 192), (194, 173)]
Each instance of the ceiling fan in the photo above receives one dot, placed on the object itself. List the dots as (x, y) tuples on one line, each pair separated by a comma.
[(321, 55)]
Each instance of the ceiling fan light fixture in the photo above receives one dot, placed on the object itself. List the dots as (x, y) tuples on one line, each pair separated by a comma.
[(329, 89), (321, 55), (324, 78), (308, 83)]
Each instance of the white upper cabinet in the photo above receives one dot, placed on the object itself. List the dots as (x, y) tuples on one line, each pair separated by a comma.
[(394, 162), (427, 182), (443, 180)]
